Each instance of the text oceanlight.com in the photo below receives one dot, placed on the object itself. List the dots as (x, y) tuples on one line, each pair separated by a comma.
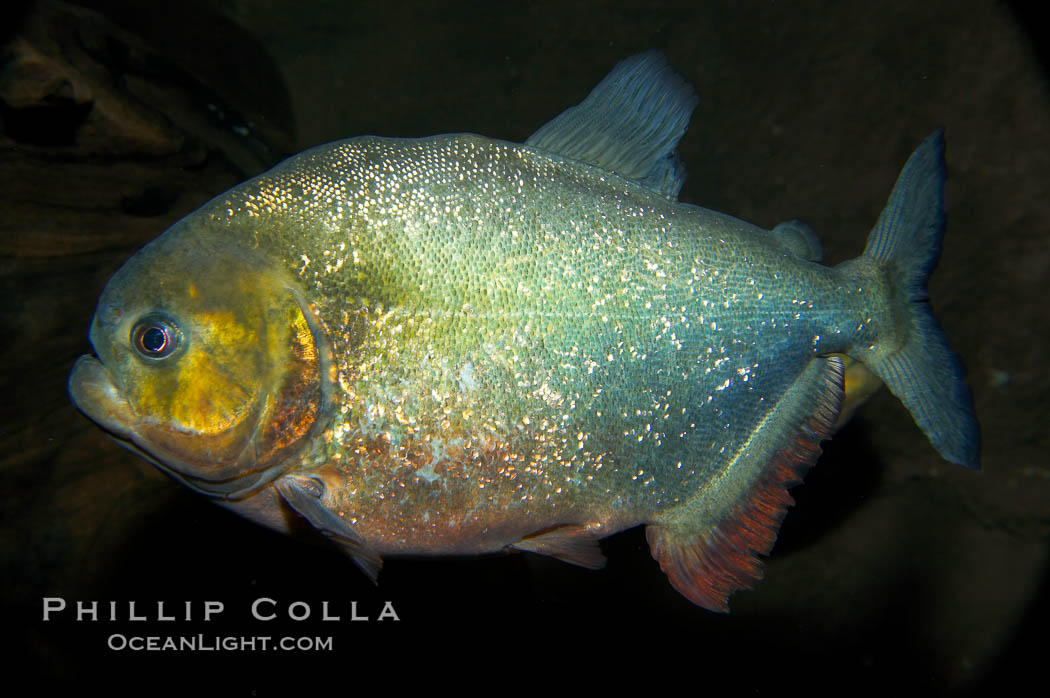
[(216, 643)]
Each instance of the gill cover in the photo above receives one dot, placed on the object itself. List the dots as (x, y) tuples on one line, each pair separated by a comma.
[(211, 364)]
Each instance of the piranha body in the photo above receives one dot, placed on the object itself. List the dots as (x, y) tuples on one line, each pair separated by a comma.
[(460, 345)]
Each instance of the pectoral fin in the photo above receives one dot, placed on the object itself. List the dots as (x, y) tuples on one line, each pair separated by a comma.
[(572, 543), (305, 494)]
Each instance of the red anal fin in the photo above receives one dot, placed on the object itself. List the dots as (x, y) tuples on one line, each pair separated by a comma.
[(711, 549), (572, 543)]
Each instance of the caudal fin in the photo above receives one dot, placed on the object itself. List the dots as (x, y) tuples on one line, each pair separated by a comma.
[(923, 372)]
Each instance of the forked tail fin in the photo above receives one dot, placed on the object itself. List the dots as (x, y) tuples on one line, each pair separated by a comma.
[(922, 370)]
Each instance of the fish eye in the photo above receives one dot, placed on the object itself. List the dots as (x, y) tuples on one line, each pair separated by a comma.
[(155, 337)]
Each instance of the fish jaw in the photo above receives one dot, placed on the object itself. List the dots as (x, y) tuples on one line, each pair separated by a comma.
[(94, 393)]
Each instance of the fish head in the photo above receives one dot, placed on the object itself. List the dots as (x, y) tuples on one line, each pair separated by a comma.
[(209, 363)]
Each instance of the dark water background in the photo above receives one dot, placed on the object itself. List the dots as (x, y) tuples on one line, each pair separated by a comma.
[(896, 571)]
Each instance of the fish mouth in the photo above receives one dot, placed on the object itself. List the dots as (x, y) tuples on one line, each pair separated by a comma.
[(94, 392)]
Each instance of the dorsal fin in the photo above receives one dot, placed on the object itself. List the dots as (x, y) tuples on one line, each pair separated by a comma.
[(629, 124)]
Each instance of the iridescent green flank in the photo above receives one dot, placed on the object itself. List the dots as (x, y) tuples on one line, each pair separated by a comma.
[(536, 345), (576, 340)]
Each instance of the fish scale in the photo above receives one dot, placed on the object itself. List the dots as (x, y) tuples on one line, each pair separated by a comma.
[(460, 345), (649, 337)]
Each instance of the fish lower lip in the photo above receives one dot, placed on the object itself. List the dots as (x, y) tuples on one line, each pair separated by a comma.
[(93, 392)]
